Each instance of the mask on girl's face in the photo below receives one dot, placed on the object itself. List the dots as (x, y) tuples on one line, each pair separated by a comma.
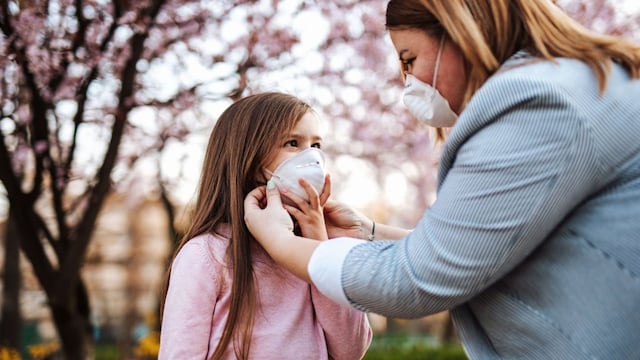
[(425, 102), (307, 164)]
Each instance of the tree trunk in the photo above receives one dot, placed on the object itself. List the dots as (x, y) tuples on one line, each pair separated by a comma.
[(11, 320), (72, 331), (70, 313)]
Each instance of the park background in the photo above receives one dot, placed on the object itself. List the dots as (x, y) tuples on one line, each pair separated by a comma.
[(106, 107)]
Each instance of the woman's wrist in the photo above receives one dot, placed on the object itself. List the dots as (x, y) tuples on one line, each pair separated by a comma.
[(383, 231), (372, 232), (366, 225)]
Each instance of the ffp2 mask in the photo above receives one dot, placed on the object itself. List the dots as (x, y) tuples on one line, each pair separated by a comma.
[(425, 102), (308, 164)]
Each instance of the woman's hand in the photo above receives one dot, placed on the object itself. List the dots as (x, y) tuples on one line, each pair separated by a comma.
[(266, 217), (341, 220), (272, 227), (309, 215)]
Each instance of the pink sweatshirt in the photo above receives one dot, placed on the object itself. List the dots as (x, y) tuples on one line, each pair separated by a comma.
[(294, 320)]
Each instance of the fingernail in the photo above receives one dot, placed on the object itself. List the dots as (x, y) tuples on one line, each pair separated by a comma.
[(271, 184)]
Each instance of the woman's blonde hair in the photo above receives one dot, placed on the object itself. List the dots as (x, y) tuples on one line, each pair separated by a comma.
[(488, 32), (243, 141)]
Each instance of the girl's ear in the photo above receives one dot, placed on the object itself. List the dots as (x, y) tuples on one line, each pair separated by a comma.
[(262, 177)]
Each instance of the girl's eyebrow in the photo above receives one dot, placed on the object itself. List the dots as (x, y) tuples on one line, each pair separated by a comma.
[(298, 136)]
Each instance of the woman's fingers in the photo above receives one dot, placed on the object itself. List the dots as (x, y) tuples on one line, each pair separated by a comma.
[(326, 190), (267, 220), (255, 198)]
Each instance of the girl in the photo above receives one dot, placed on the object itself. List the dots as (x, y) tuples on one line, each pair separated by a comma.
[(225, 297)]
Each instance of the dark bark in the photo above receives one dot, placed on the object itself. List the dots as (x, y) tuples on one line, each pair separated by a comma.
[(11, 320)]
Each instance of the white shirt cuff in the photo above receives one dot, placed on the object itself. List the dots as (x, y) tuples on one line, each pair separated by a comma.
[(325, 267)]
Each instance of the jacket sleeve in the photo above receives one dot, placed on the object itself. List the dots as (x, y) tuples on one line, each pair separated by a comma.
[(189, 305), (347, 330), (517, 163)]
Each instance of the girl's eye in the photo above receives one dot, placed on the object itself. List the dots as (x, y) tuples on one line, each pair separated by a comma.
[(293, 143), (317, 145)]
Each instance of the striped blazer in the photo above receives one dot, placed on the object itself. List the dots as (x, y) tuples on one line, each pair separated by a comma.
[(533, 242)]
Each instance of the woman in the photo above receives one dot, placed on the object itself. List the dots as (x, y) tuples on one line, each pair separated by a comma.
[(533, 242)]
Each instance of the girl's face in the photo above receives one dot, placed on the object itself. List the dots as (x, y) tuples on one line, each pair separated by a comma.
[(418, 51), (304, 135)]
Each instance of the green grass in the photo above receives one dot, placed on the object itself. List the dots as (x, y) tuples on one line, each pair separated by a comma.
[(383, 347), (411, 347), (106, 352)]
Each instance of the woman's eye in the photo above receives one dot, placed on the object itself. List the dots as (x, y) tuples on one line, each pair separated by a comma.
[(317, 145), (293, 143), (407, 62)]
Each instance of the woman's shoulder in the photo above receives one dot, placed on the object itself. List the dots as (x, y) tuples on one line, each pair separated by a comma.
[(528, 73), (526, 99), (534, 84)]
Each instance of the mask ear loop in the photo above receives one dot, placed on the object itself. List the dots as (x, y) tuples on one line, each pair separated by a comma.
[(435, 71), (271, 173)]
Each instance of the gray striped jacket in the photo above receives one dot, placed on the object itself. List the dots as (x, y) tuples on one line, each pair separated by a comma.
[(533, 242)]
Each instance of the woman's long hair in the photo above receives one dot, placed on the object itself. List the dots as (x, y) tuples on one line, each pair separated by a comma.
[(244, 139), (488, 32)]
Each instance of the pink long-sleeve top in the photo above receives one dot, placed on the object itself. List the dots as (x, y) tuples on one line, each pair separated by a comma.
[(294, 321)]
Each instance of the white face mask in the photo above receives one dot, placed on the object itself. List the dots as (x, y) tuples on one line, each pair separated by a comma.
[(425, 102), (307, 164)]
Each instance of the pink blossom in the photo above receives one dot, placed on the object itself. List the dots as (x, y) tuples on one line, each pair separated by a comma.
[(40, 147)]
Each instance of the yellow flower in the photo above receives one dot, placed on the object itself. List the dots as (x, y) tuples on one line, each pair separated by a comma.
[(148, 346), (40, 351), (9, 354)]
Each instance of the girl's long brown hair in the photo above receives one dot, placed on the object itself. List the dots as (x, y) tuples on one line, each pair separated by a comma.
[(243, 141), (488, 32)]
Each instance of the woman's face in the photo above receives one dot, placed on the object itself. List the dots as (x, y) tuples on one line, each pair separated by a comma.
[(418, 51), (304, 135)]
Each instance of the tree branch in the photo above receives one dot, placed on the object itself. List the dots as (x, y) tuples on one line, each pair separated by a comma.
[(21, 209), (70, 265)]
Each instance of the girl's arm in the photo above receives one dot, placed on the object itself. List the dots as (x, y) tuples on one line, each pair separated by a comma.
[(346, 330), (189, 305)]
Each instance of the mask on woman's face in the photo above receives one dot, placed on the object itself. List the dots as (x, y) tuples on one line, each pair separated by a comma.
[(307, 164), (425, 102)]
